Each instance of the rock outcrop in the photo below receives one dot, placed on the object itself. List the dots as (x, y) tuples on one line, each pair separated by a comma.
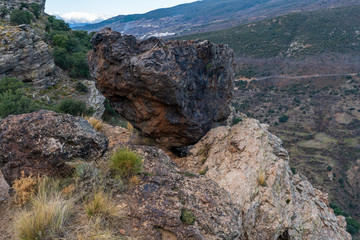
[(41, 143), (4, 188), (17, 4), (96, 100), (25, 56), (250, 163), (170, 204), (172, 91)]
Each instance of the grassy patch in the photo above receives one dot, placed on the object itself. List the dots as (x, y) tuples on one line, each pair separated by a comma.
[(126, 163), (47, 215), (100, 205)]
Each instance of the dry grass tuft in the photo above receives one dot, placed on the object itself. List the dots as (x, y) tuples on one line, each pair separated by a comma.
[(96, 123), (101, 206), (25, 188), (47, 215), (262, 178), (134, 180), (96, 231)]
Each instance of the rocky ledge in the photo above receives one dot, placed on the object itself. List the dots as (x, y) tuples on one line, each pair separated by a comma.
[(252, 166), (41, 143), (173, 91), (25, 56)]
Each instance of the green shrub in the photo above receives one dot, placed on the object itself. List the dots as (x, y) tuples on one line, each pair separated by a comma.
[(74, 107), (61, 58), (293, 170), (236, 121), (126, 163), (353, 226), (19, 17), (80, 87), (35, 9), (187, 217), (58, 24), (329, 168), (3, 11), (11, 84), (283, 119), (80, 66)]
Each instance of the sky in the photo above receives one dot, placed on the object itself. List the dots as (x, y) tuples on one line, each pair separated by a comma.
[(92, 10)]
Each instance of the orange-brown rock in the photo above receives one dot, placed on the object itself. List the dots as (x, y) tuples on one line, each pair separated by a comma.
[(172, 91)]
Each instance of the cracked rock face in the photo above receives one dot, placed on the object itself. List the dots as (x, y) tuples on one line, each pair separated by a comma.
[(251, 164), (170, 204), (41, 143), (173, 91), (25, 56)]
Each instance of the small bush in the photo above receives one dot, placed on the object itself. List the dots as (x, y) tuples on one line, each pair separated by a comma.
[(19, 17), (25, 188), (126, 163), (10, 84), (4, 11), (15, 102), (203, 172), (187, 217), (36, 10), (293, 170), (329, 168), (100, 206), (353, 226), (236, 121), (80, 87), (47, 215), (283, 119), (74, 107), (96, 123)]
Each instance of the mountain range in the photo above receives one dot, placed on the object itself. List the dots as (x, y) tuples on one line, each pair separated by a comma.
[(207, 15)]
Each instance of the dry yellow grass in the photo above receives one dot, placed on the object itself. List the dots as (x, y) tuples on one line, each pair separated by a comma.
[(25, 188), (262, 178), (96, 123), (100, 206), (47, 215)]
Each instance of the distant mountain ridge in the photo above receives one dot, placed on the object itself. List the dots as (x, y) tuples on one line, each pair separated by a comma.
[(293, 35), (207, 15)]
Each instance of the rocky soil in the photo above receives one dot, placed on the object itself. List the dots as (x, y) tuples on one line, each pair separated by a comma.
[(174, 92)]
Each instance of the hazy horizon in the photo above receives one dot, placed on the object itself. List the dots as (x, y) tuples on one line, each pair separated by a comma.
[(92, 10)]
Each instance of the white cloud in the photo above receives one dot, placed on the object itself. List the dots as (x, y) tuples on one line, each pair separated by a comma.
[(83, 17)]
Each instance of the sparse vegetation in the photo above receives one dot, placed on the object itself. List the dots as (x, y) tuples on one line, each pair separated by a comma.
[(19, 17), (187, 217), (96, 123), (74, 107), (353, 226), (25, 188), (47, 215), (100, 205), (126, 163), (80, 87), (262, 179)]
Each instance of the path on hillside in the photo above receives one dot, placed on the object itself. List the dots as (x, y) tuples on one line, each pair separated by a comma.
[(298, 77)]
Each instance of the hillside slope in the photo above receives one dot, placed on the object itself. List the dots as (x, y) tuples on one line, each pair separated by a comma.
[(207, 15), (293, 35)]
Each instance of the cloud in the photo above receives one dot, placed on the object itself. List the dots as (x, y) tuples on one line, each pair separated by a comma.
[(82, 17)]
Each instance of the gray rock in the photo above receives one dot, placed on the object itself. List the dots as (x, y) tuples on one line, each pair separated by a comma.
[(96, 100), (25, 56), (41, 143)]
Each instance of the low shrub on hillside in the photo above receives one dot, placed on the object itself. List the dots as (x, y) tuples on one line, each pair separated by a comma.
[(19, 17), (353, 226), (74, 107), (3, 11), (126, 163), (283, 119), (13, 99)]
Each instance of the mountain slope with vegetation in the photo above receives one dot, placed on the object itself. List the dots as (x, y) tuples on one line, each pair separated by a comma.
[(293, 35), (207, 15)]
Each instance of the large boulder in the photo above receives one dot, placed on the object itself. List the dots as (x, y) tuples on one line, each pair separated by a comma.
[(250, 163), (173, 91), (171, 204), (24, 55), (41, 143)]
